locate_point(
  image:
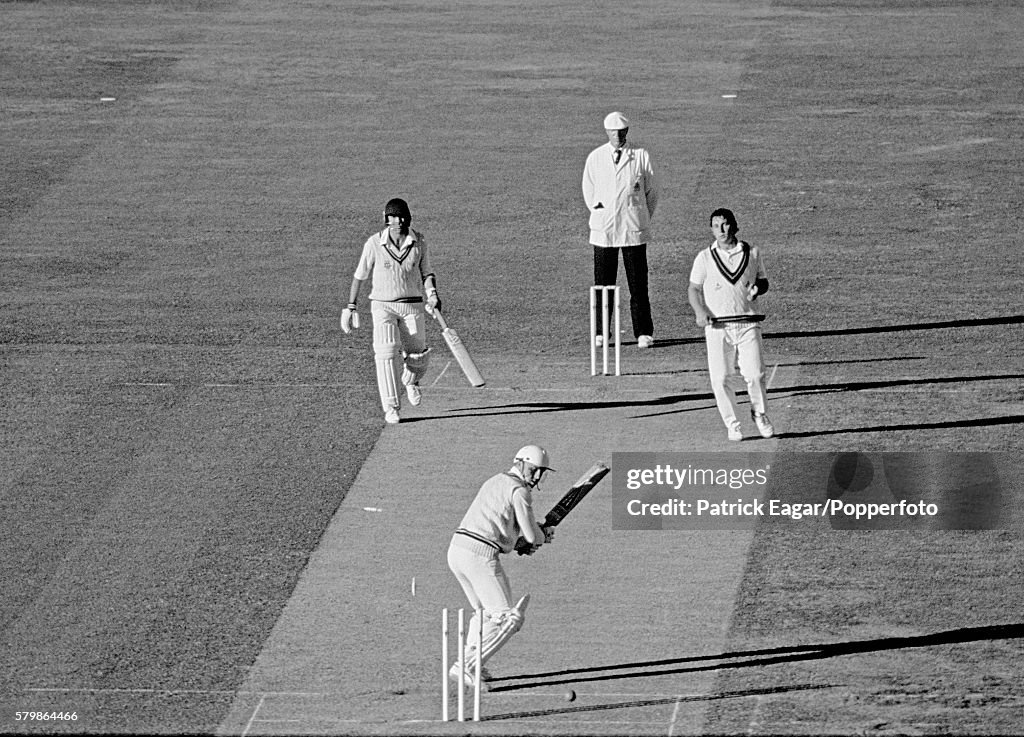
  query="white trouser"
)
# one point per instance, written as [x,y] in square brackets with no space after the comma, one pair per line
[729,346]
[478,570]
[399,347]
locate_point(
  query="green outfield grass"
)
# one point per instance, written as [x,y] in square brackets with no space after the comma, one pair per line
[186,188]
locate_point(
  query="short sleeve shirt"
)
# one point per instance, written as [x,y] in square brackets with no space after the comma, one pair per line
[725,277]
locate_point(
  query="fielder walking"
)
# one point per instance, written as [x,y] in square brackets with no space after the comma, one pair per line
[725,280]
[397,261]
[500,514]
[621,192]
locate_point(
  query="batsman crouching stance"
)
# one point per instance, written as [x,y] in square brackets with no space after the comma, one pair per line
[499,515]
[396,259]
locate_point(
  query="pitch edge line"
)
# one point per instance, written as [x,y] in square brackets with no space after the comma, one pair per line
[675,716]
[248,726]
[434,382]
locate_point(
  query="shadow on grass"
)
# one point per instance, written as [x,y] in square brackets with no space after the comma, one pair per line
[676,399]
[754,658]
[949,424]
[857,386]
[833,362]
[830,362]
[944,325]
[682,699]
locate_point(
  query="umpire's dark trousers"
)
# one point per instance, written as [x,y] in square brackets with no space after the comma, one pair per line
[606,267]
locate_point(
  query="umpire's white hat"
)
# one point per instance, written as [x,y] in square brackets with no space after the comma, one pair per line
[615,122]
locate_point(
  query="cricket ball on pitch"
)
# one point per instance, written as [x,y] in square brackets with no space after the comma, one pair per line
[570,696]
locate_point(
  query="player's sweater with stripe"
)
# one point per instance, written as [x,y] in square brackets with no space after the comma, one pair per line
[398,274]
[725,277]
[492,515]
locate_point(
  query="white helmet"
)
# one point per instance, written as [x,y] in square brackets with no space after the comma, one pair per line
[534,455]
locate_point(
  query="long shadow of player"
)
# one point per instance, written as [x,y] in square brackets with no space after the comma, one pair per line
[846,386]
[948,424]
[867,329]
[855,386]
[944,325]
[749,659]
[671,400]
[663,701]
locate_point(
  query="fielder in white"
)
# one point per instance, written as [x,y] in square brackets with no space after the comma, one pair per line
[725,280]
[396,259]
[499,515]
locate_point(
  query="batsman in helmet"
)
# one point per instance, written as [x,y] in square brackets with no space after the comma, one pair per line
[500,514]
[403,286]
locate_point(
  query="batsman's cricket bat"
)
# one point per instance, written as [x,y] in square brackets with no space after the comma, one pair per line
[569,501]
[717,321]
[459,351]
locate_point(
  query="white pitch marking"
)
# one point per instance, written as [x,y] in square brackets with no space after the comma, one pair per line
[441,374]
[675,715]
[728,97]
[950,146]
[372,509]
[255,711]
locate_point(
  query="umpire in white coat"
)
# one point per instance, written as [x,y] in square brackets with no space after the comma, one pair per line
[621,192]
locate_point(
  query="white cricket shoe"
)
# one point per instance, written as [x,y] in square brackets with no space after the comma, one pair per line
[391,416]
[735,434]
[764,425]
[645,341]
[414,394]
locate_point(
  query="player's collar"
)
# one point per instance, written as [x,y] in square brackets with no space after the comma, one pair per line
[410,238]
[400,254]
[740,245]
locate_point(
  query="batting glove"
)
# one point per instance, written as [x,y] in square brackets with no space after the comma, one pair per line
[349,319]
[760,286]
[433,301]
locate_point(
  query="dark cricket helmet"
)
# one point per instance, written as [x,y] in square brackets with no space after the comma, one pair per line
[399,208]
